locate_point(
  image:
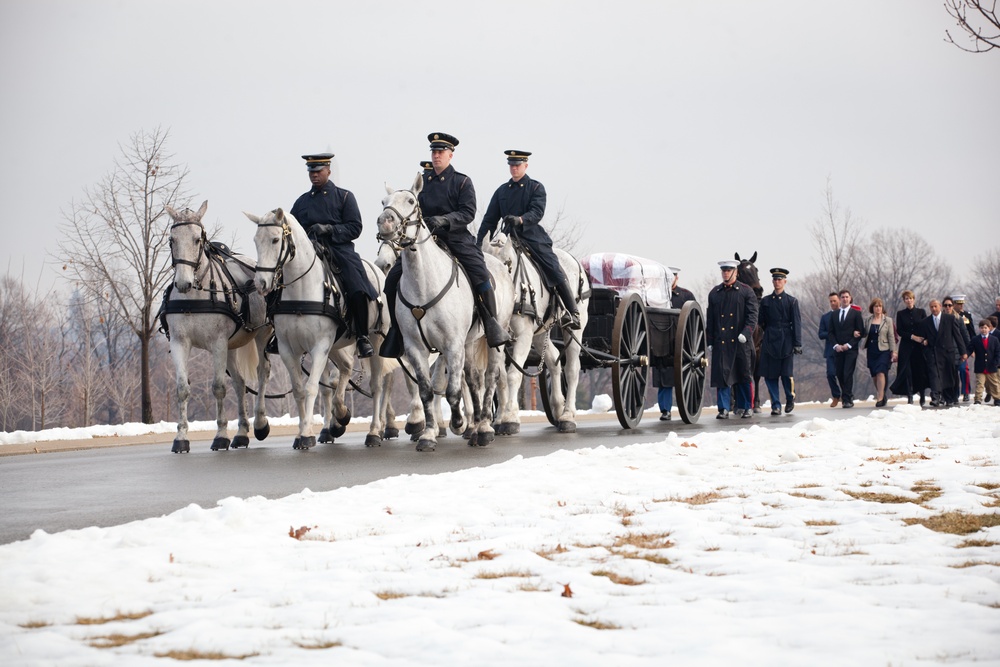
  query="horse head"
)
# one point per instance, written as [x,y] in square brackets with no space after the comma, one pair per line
[400,212]
[274,247]
[187,246]
[502,247]
[746,273]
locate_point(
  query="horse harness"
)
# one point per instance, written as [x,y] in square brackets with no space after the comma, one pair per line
[226,295]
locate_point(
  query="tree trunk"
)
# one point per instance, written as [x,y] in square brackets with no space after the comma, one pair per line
[147,395]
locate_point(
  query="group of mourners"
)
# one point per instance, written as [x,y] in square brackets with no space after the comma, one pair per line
[447,199]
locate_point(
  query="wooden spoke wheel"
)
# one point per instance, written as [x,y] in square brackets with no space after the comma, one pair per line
[630,373]
[690,362]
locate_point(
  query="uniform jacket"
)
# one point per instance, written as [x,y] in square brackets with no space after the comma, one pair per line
[732,311]
[782,325]
[525,198]
[449,195]
[988,356]
[330,205]
[886,333]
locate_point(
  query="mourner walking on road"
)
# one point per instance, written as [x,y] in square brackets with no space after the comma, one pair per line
[826,335]
[663,367]
[520,204]
[331,217]
[986,350]
[848,327]
[730,321]
[448,204]
[782,325]
[964,318]
[941,336]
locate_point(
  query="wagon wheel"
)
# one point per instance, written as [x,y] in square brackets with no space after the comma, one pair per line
[544,386]
[690,361]
[630,373]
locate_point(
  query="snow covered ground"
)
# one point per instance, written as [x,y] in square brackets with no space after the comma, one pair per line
[817,544]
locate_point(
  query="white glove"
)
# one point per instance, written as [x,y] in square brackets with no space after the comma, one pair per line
[741,338]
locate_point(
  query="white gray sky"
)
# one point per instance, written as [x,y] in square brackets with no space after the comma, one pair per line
[677,131]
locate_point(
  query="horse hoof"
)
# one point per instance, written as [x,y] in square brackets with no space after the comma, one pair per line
[500,429]
[181,446]
[567,427]
[390,433]
[240,442]
[373,441]
[485,438]
[426,446]
[467,433]
[324,435]
[220,444]
[337,430]
[442,432]
[414,437]
[415,428]
[304,442]
[511,428]
[261,433]
[345,420]
[473,439]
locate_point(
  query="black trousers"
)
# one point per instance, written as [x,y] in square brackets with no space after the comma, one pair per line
[845,363]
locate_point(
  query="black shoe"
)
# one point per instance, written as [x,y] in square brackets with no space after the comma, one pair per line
[392,346]
[986,399]
[848,404]
[570,321]
[923,400]
[881,403]
[977,403]
[789,404]
[935,403]
[965,398]
[365,348]
[664,416]
[776,411]
[723,414]
[909,400]
[747,414]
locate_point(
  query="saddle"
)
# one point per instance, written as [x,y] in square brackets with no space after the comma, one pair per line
[525,297]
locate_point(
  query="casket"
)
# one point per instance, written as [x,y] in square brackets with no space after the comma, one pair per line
[628,274]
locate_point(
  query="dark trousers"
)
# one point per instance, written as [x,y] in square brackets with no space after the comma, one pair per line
[831,376]
[773,390]
[845,363]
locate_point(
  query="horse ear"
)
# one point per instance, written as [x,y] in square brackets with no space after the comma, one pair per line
[170,211]
[253,218]
[754,258]
[202,209]
[736,256]
[418,183]
[279,215]
[388,189]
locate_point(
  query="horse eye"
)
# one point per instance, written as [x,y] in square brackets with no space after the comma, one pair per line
[411,200]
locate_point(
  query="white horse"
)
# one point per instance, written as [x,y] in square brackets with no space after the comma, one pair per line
[212,306]
[435,311]
[535,315]
[308,320]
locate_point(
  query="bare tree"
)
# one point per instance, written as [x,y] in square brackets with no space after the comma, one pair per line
[836,234]
[114,243]
[893,260]
[984,285]
[978,20]
[564,234]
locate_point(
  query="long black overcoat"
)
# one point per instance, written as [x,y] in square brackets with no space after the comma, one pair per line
[732,310]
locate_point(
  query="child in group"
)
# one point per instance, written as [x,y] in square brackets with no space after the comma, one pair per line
[986,349]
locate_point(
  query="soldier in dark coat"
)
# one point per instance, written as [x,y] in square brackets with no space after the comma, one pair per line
[520,203]
[730,321]
[782,325]
[448,204]
[331,217]
[965,318]
[663,367]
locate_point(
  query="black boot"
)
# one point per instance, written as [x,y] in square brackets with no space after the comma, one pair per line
[496,336]
[359,308]
[392,346]
[571,319]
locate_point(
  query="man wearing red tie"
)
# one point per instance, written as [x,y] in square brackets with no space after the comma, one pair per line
[986,349]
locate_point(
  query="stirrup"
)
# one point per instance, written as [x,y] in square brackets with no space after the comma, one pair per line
[365,348]
[495,335]
[569,320]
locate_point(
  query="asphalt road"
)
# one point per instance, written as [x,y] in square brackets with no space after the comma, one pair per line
[108,486]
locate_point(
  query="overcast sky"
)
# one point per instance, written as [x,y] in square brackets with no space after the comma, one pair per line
[677,131]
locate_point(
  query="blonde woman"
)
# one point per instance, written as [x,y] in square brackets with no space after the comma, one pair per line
[880,346]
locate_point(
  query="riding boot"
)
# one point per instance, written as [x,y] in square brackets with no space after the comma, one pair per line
[571,318]
[496,336]
[392,346]
[359,308]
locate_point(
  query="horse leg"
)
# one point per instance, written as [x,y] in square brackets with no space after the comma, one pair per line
[239,394]
[427,441]
[179,351]
[416,421]
[376,382]
[510,413]
[439,372]
[305,390]
[261,427]
[494,368]
[390,430]
[571,371]
[331,375]
[340,415]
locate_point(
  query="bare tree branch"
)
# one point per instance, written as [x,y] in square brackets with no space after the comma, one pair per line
[978,20]
[836,235]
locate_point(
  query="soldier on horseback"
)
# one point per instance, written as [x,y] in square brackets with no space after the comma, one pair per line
[520,203]
[448,204]
[331,217]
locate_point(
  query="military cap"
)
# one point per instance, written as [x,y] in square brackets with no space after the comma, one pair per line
[441,141]
[958,298]
[426,165]
[728,264]
[317,161]
[779,273]
[516,157]
[674,270]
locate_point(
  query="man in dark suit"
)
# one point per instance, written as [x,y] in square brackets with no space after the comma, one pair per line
[825,335]
[848,327]
[944,347]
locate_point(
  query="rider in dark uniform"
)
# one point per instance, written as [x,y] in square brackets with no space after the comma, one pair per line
[330,216]
[448,204]
[520,203]
[779,318]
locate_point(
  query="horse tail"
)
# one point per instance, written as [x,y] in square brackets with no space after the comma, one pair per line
[246,363]
[480,353]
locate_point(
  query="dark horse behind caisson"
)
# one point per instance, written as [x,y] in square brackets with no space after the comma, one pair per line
[746,273]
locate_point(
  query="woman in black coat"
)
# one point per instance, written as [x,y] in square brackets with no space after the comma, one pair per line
[911,370]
